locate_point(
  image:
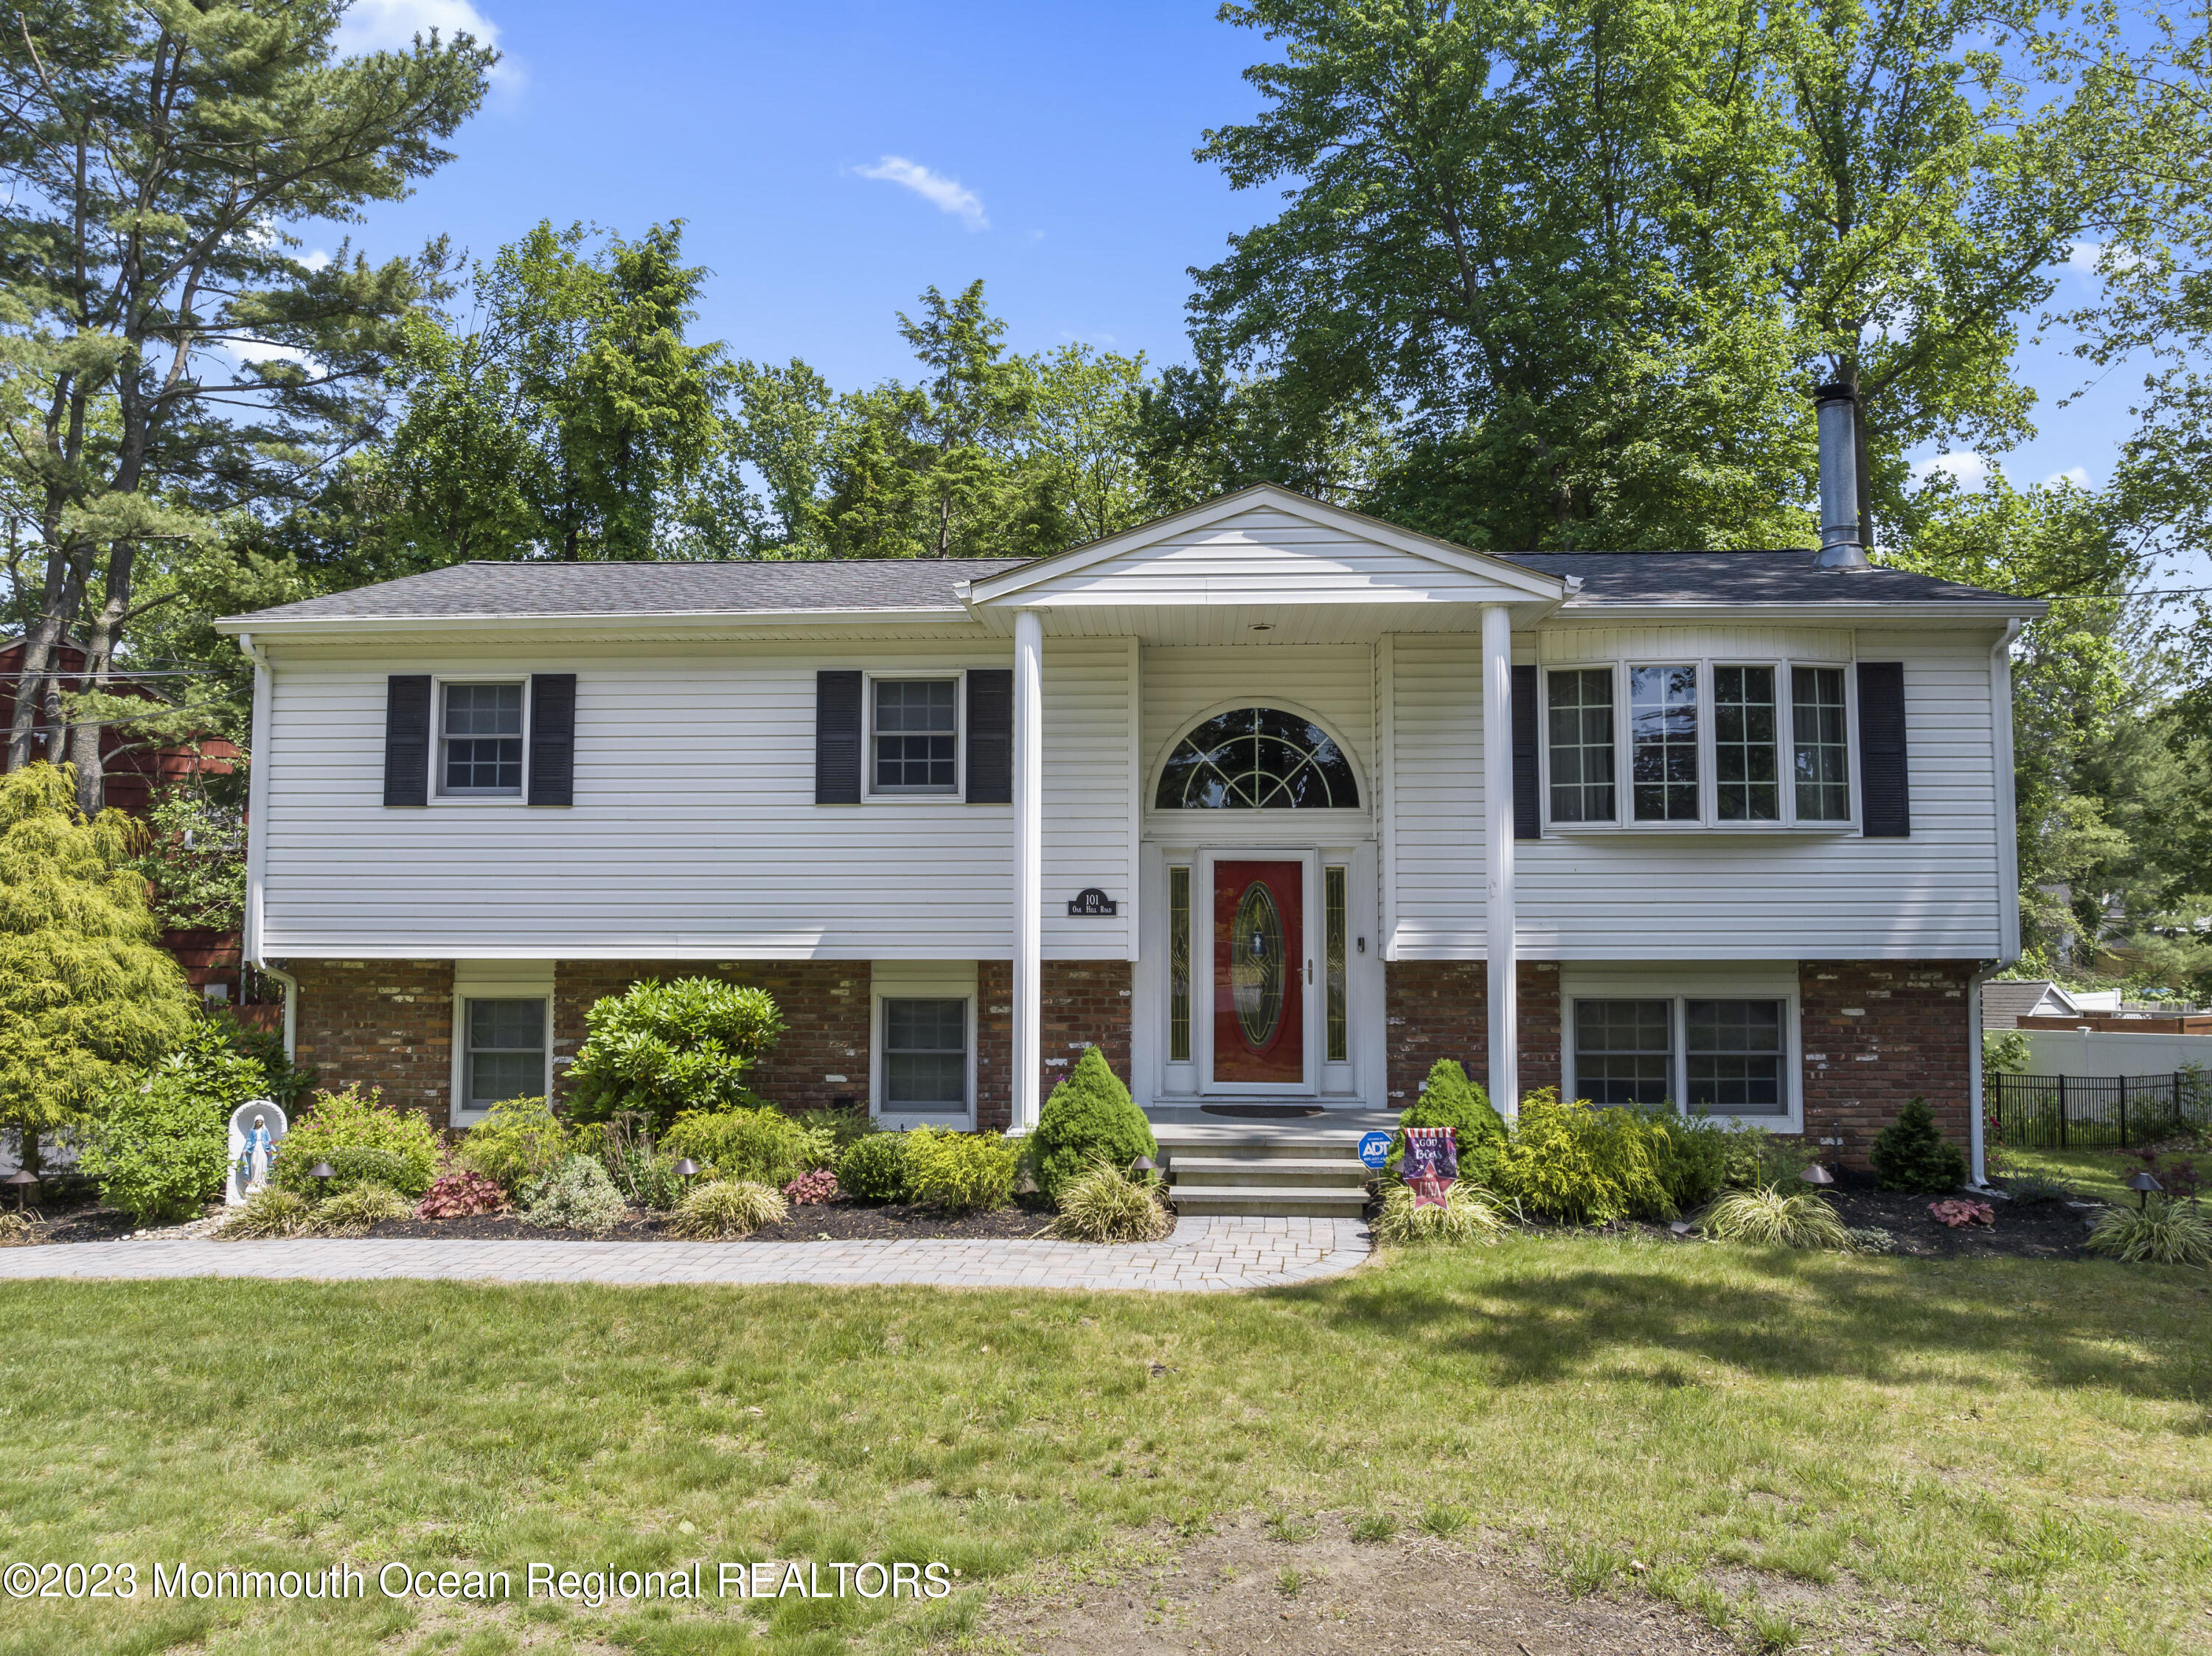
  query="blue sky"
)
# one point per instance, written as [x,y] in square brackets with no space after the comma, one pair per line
[833,159]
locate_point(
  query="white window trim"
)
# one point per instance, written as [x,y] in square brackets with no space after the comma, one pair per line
[921,980]
[1679,983]
[957,678]
[1709,821]
[459,1113]
[438,796]
[1175,821]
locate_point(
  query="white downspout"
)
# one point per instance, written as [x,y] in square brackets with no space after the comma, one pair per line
[257,838]
[1500,960]
[1028,868]
[2007,861]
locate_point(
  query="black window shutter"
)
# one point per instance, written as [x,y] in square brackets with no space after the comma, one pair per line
[407,739]
[552,738]
[990,736]
[1885,788]
[838,738]
[1528,820]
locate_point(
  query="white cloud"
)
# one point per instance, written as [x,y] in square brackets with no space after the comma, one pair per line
[1970,470]
[2083,255]
[392,25]
[2077,475]
[946,195]
[259,350]
[316,260]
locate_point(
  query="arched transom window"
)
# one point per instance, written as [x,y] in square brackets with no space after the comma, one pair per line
[1257,759]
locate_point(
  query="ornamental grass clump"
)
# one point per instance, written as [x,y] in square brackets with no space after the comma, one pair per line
[516,1142]
[2161,1232]
[576,1195]
[16,1229]
[270,1212]
[337,1124]
[1107,1204]
[1468,1215]
[873,1169]
[726,1208]
[1774,1218]
[961,1172]
[462,1194]
[1089,1118]
[352,1212]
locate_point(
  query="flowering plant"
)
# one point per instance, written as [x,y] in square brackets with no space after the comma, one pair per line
[461,1195]
[1957,1212]
[811,1189]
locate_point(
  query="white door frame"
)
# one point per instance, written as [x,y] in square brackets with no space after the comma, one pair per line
[1313,1036]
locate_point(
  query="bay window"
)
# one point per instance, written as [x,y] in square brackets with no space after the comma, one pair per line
[1663,722]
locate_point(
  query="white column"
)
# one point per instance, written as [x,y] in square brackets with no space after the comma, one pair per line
[1029,867]
[1498,855]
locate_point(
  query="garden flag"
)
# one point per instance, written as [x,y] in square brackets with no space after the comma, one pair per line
[1431,1164]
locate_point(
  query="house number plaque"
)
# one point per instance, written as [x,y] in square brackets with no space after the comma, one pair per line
[1092,900]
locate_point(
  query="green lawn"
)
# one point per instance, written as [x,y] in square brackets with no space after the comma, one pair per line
[2009,1455]
[2098,1175]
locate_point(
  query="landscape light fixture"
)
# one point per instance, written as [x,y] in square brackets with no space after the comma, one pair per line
[2142,1184]
[1819,1175]
[22,1178]
[687,1168]
[322,1170]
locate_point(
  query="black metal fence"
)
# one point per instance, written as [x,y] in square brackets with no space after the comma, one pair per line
[2057,1112]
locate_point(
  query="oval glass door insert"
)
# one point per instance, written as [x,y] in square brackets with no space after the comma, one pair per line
[1256,972]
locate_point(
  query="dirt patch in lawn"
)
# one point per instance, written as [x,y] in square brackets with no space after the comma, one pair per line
[1322,1593]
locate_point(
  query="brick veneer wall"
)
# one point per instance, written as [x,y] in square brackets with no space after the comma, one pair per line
[1877,1032]
[994,1044]
[388,1024]
[1085,1004]
[822,1056]
[1440,1009]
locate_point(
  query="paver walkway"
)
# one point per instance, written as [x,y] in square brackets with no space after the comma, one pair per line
[1204,1255]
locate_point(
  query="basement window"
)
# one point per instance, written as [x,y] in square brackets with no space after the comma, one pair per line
[506,1053]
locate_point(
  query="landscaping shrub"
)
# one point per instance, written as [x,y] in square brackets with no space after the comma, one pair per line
[812,1189]
[516,1142]
[725,1208]
[1872,1239]
[1090,1118]
[1449,1098]
[576,1195]
[1912,1155]
[271,1212]
[835,1129]
[16,1229]
[2161,1232]
[1958,1213]
[760,1144]
[961,1172]
[351,1212]
[1774,1218]
[1468,1215]
[873,1167]
[663,1048]
[461,1195]
[349,1120]
[161,1143]
[1104,1203]
[1697,1159]
[353,1166]
[1582,1164]
[641,1172]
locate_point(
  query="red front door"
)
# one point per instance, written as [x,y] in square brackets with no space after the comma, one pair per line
[1259,973]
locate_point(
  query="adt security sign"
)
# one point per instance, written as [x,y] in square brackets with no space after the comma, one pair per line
[1375,1149]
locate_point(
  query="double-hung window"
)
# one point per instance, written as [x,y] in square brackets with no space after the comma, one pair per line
[917,736]
[1725,1055]
[480,740]
[926,1056]
[1716,743]
[504,1054]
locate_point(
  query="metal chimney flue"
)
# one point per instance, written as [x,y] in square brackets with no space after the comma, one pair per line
[1838,409]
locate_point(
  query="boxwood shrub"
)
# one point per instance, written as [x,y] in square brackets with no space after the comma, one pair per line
[873,1167]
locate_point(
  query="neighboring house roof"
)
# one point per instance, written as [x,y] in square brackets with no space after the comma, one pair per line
[2006,1002]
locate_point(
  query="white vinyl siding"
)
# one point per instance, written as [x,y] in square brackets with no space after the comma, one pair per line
[1437,792]
[693,833]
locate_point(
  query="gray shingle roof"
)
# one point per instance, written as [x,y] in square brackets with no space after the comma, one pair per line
[1738,578]
[532,589]
[640,589]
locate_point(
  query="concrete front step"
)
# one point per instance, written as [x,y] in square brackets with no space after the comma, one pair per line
[1270,1200]
[1342,1173]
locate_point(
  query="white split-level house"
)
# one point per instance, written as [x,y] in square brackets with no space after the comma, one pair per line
[1274,803]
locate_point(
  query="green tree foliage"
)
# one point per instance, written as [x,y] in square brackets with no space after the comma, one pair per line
[195,856]
[661,1048]
[1089,1115]
[565,416]
[160,1143]
[87,997]
[166,358]
[1912,1155]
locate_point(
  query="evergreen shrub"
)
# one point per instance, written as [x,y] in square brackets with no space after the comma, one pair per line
[517,1139]
[159,1144]
[1090,1118]
[575,1195]
[760,1144]
[873,1167]
[961,1172]
[340,1122]
[1449,1098]
[1576,1162]
[1912,1155]
[662,1048]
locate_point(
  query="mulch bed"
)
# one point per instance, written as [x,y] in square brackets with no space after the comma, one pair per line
[2037,1230]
